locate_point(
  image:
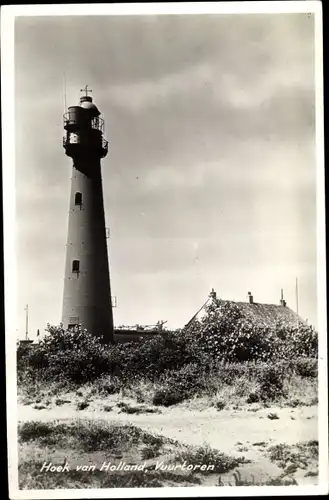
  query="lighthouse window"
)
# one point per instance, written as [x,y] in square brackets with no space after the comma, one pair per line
[78,199]
[75,266]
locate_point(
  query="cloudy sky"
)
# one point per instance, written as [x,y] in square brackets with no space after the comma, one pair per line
[210,178]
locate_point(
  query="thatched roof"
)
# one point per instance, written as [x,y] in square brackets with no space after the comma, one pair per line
[269,313]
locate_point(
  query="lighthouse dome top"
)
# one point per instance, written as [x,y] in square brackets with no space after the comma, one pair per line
[86,102]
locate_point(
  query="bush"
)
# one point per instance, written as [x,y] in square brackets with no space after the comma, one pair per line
[109,385]
[152,357]
[150,452]
[224,333]
[182,361]
[271,380]
[82,405]
[295,342]
[306,367]
[180,385]
[220,404]
[33,429]
[168,397]
[298,455]
[228,373]
[253,397]
[205,455]
[73,356]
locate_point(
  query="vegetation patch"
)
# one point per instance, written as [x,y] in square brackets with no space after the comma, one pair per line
[39,407]
[89,438]
[61,402]
[82,405]
[87,435]
[294,457]
[30,477]
[136,409]
[196,455]
[223,335]
[239,480]
[225,356]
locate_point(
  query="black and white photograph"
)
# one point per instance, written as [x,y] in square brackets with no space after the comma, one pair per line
[163,182]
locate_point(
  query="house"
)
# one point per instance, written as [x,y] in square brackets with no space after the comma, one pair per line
[268,313]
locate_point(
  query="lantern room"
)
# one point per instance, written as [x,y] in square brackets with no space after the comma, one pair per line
[84,130]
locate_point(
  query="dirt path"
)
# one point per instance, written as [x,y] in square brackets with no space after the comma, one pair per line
[235,432]
[219,429]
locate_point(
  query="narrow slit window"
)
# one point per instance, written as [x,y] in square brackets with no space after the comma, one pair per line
[78,199]
[76,266]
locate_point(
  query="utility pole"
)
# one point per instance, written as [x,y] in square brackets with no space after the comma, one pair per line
[27,322]
[297,304]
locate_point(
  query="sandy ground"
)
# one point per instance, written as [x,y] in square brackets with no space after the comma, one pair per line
[220,429]
[235,432]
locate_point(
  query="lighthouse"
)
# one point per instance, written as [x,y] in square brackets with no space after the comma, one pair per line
[87,292]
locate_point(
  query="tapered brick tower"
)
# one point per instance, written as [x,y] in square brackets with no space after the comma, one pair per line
[87,292]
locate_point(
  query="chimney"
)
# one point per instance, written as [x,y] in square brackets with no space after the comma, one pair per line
[282,301]
[250,298]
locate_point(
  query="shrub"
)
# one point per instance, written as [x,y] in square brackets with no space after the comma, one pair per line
[39,407]
[224,333]
[271,380]
[299,341]
[182,360]
[87,435]
[205,455]
[60,401]
[32,430]
[82,405]
[220,404]
[150,452]
[109,385]
[168,397]
[74,356]
[253,397]
[180,385]
[306,367]
[151,357]
[298,455]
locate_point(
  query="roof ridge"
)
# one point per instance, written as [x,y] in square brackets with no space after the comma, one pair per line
[255,303]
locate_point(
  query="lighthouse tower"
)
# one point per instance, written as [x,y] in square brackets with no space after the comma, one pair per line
[87,293]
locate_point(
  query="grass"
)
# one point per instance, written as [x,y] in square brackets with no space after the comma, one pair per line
[298,391]
[135,409]
[238,480]
[82,405]
[88,442]
[225,385]
[206,455]
[95,442]
[60,401]
[293,457]
[39,406]
[30,477]
[87,435]
[138,381]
